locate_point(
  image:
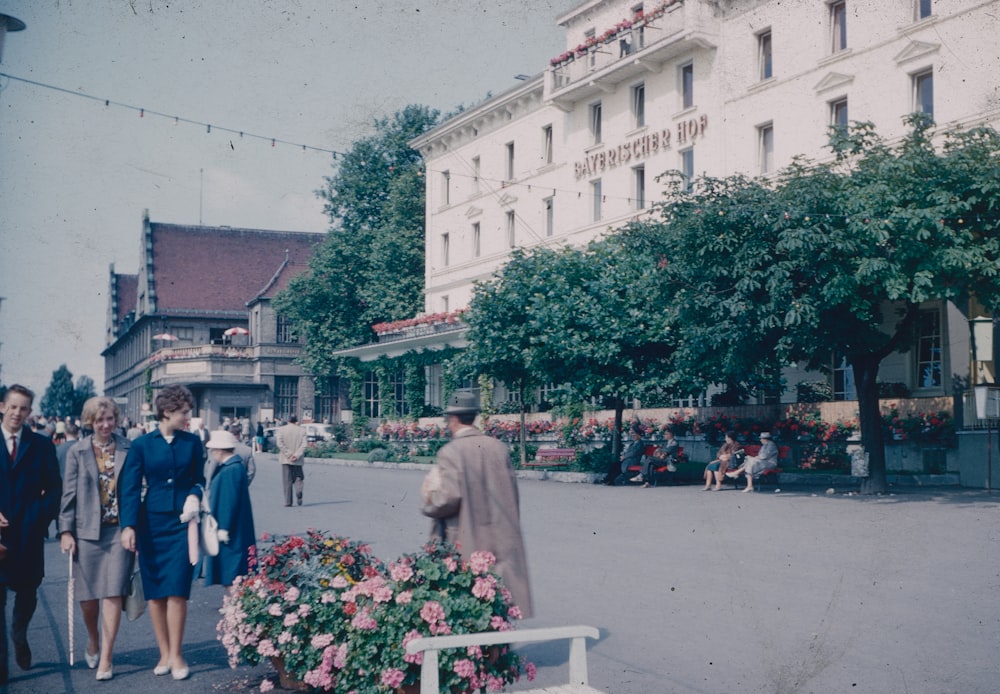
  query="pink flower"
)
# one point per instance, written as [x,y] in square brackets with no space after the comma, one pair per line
[417,658]
[514,612]
[480,562]
[451,564]
[364,620]
[266,685]
[340,657]
[484,588]
[339,581]
[321,640]
[304,610]
[498,623]
[494,684]
[401,572]
[274,610]
[267,649]
[392,678]
[432,611]
[292,594]
[531,671]
[465,668]
[291,619]
[405,597]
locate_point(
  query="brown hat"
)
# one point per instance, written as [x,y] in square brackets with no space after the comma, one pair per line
[463,402]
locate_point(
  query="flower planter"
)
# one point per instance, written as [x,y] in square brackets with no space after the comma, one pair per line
[288,682]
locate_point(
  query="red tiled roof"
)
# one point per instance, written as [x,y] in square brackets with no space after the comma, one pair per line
[125,286]
[201,270]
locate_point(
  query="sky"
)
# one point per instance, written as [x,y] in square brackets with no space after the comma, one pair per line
[76,174]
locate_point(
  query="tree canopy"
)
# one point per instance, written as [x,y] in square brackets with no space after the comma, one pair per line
[835,258]
[370,268]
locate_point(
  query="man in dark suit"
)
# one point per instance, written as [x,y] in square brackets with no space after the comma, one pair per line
[30,490]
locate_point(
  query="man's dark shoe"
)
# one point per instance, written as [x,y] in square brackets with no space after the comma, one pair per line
[22,655]
[4,677]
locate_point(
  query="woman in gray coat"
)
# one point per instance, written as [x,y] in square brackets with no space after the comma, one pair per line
[89,529]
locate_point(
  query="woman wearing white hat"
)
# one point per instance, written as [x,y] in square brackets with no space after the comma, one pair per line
[229,501]
[765,459]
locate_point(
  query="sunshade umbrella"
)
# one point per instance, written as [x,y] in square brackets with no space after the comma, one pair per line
[167,337]
[237,330]
[70,590]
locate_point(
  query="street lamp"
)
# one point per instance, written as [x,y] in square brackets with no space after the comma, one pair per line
[8,24]
[988,408]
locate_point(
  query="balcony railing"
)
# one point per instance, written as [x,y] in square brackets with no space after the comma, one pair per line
[201,352]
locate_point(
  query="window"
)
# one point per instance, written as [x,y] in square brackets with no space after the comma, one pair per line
[595,191]
[838,26]
[765,155]
[923,92]
[286,396]
[510,161]
[638,35]
[432,392]
[285,332]
[444,304]
[929,368]
[838,114]
[595,122]
[639,185]
[843,380]
[475,175]
[639,105]
[371,404]
[446,187]
[510,229]
[922,9]
[547,144]
[687,166]
[327,400]
[475,240]
[687,85]
[550,227]
[445,249]
[397,380]
[764,55]
[184,334]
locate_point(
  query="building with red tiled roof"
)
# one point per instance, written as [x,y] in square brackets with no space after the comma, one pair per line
[199,312]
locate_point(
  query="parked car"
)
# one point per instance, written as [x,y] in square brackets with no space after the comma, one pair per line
[316,432]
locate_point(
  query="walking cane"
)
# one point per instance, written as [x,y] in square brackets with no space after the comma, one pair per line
[70,590]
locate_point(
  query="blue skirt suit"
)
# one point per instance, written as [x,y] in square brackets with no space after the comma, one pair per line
[171,471]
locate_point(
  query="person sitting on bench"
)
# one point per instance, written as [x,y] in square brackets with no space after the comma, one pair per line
[765,459]
[665,454]
[632,455]
[716,468]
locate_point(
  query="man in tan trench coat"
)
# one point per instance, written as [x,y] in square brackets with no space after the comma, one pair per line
[471,493]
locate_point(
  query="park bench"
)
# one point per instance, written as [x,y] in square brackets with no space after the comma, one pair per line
[766,477]
[658,471]
[552,457]
[577,636]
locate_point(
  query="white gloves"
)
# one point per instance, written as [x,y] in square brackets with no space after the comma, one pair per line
[223,536]
[191,509]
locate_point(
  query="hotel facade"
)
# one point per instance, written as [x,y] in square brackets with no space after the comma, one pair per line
[706,88]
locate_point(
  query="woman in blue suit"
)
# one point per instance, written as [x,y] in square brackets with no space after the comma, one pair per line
[171,461]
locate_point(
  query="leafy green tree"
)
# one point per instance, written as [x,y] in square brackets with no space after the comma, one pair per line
[58,400]
[835,258]
[84,391]
[370,267]
[583,317]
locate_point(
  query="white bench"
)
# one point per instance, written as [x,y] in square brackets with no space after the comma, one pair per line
[430,645]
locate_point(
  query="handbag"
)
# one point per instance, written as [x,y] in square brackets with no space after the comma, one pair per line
[209,535]
[134,600]
[209,528]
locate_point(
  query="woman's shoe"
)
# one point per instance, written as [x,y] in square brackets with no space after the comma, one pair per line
[748,489]
[180,673]
[104,676]
[161,670]
[92,660]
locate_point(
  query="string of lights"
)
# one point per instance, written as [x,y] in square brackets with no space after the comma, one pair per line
[209,127]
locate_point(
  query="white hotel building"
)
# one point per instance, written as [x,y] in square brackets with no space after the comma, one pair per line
[705,87]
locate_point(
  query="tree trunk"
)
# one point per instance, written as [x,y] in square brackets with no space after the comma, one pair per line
[615,464]
[870,418]
[523,435]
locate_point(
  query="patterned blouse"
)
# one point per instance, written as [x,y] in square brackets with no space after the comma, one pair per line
[106,479]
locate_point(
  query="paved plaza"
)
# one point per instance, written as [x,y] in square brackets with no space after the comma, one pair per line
[798,591]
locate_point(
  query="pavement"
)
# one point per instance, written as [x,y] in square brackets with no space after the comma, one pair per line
[798,591]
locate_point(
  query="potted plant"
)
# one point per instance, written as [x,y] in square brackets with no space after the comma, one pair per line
[331,616]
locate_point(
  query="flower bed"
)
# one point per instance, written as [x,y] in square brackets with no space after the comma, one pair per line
[336,618]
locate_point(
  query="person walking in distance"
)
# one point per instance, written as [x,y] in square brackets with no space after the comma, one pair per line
[30,489]
[291,440]
[471,493]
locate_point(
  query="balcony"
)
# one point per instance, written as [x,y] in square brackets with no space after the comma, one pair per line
[673,30]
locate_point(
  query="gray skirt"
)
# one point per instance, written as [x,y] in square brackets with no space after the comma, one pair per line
[102,568]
